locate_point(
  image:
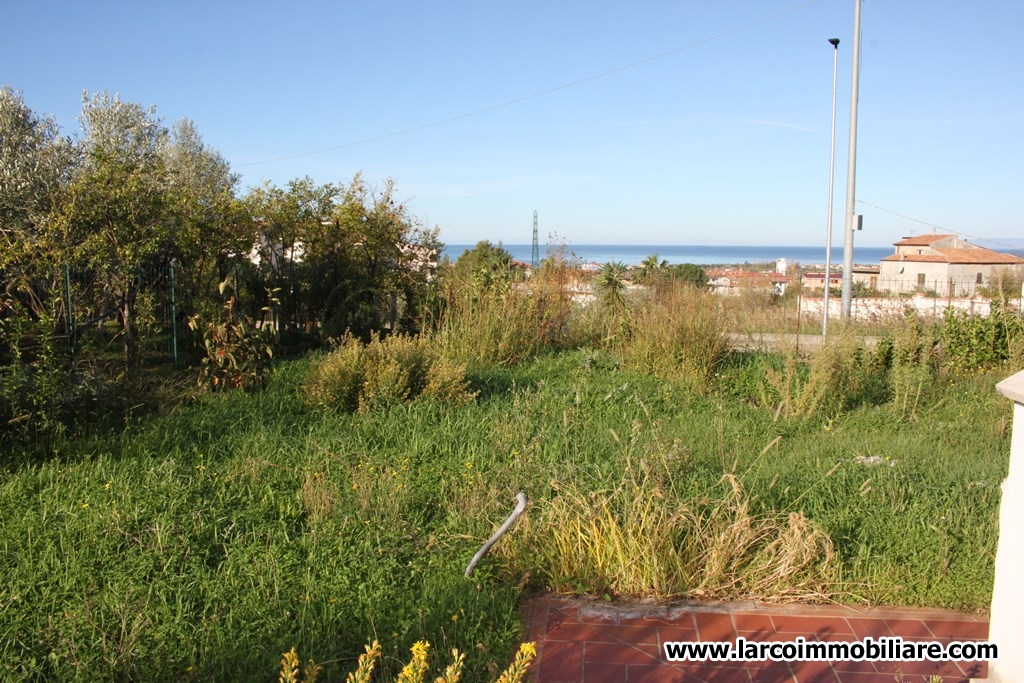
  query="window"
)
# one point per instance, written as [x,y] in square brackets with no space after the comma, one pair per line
[978,280]
[920,279]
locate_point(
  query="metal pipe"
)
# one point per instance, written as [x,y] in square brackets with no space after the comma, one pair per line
[520,507]
[851,172]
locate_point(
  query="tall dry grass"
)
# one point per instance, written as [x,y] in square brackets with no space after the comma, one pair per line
[676,332]
[386,371]
[643,538]
[841,373]
[507,324]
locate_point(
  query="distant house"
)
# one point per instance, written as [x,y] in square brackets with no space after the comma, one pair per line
[733,281]
[419,258]
[944,264]
[866,276]
[863,276]
[815,281]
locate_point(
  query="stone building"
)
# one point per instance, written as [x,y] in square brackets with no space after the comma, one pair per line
[944,264]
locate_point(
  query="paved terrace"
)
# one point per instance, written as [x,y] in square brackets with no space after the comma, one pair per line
[582,641]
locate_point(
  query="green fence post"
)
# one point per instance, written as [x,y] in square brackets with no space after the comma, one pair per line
[174,319]
[69,313]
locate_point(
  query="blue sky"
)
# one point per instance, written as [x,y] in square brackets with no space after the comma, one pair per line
[721,138]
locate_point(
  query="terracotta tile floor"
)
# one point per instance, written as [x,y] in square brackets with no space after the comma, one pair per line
[589,642]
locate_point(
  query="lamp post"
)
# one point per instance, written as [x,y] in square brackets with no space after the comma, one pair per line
[851,172]
[831,178]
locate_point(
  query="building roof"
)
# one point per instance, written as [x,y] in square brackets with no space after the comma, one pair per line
[922,240]
[967,255]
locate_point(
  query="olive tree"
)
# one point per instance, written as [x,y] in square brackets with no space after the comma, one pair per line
[114,222]
[34,164]
[207,225]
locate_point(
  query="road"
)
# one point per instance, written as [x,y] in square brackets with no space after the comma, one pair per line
[772,341]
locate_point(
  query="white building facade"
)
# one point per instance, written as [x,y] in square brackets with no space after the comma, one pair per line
[945,265]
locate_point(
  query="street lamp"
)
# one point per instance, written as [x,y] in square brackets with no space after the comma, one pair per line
[831,178]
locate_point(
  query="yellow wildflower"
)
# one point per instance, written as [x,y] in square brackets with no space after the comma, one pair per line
[416,669]
[366,664]
[454,671]
[517,670]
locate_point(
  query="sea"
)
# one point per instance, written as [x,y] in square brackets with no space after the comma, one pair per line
[699,254]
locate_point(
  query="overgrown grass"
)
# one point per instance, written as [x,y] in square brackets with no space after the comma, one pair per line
[200,544]
[384,372]
[643,538]
[509,322]
[841,374]
[677,333]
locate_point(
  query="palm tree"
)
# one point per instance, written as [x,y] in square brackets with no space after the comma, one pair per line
[610,286]
[650,268]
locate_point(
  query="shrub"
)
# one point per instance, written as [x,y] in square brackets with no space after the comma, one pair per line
[44,393]
[336,380]
[610,285]
[486,265]
[839,376]
[973,342]
[485,326]
[34,388]
[912,366]
[690,273]
[238,352]
[677,334]
[384,372]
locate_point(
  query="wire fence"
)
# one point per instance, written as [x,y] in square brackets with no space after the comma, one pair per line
[92,318]
[877,308]
[873,284]
[95,318]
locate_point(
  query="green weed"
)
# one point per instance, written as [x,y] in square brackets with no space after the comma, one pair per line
[485,326]
[237,350]
[677,334]
[385,372]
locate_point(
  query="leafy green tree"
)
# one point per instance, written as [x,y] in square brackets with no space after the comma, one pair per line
[654,272]
[294,248]
[34,163]
[114,221]
[205,217]
[651,269]
[486,265]
[130,196]
[346,258]
[690,274]
[40,393]
[394,258]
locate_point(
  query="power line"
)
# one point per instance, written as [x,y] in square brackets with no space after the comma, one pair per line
[940,227]
[540,93]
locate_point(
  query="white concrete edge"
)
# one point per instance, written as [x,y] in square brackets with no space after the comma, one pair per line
[1013,387]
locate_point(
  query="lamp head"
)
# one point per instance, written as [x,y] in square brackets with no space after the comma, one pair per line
[834,41]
